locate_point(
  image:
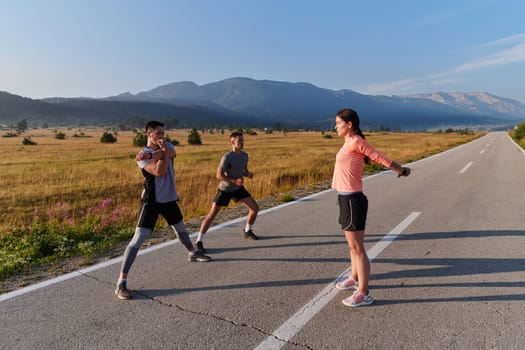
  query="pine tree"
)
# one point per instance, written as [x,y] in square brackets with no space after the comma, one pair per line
[194,138]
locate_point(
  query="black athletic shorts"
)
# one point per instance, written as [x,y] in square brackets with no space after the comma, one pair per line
[352,211]
[222,198]
[149,213]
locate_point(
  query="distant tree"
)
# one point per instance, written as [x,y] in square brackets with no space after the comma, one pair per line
[194,138]
[21,126]
[108,137]
[383,128]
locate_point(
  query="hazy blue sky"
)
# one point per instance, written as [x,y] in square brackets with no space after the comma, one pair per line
[98,48]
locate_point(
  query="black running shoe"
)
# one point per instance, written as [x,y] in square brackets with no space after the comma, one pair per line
[200,247]
[198,256]
[250,235]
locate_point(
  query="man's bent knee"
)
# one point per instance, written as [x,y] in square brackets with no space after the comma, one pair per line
[141,233]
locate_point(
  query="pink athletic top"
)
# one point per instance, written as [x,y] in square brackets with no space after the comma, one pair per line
[349,162]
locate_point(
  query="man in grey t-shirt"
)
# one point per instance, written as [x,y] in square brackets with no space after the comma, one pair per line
[231,172]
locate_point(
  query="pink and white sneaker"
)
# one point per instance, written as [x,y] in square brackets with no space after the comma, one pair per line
[348,283]
[358,299]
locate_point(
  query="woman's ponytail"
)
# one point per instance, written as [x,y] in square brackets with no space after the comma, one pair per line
[360,133]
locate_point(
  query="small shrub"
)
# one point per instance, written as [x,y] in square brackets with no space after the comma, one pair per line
[10,134]
[140,140]
[108,137]
[286,198]
[327,136]
[28,142]
[60,136]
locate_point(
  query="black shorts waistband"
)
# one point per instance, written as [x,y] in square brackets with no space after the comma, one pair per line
[350,193]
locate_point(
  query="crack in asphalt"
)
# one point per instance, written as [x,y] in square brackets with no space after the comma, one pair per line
[223,319]
[220,318]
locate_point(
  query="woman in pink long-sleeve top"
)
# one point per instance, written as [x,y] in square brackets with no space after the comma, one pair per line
[353,204]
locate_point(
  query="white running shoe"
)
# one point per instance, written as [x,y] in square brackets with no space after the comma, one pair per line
[348,283]
[358,299]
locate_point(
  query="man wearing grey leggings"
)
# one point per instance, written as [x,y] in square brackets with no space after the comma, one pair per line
[158,198]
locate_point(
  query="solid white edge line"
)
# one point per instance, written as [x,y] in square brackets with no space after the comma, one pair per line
[294,324]
[514,142]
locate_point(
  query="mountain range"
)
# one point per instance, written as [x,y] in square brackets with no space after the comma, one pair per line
[245,102]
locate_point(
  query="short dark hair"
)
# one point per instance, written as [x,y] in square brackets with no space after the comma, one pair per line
[153,124]
[235,134]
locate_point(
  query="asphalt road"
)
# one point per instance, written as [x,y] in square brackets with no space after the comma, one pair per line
[448,272]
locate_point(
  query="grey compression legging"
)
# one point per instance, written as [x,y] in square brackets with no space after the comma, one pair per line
[141,233]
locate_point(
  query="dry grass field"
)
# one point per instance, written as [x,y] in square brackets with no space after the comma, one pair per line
[82,172]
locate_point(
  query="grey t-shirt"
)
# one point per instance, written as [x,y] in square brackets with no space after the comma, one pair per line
[234,166]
